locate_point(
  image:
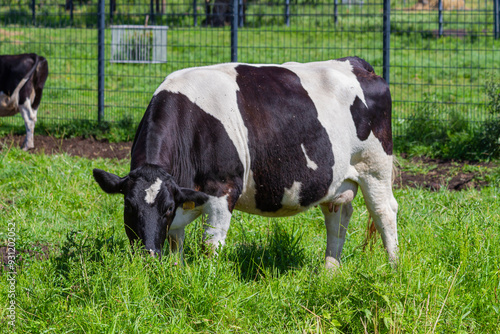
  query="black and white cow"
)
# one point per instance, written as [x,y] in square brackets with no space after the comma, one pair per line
[271,140]
[22,78]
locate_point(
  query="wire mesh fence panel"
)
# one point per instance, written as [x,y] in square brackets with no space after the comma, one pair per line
[303,31]
[442,52]
[190,42]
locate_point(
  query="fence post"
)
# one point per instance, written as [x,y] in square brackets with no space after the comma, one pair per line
[387,41]
[152,11]
[440,17]
[287,12]
[70,2]
[241,13]
[234,32]
[496,13]
[100,62]
[335,11]
[111,10]
[33,18]
[195,14]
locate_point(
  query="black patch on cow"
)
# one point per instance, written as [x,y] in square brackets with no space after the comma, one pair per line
[377,117]
[280,117]
[190,144]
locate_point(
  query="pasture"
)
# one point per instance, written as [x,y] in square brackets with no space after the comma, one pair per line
[75,271]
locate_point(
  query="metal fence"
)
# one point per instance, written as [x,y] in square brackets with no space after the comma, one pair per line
[437,54]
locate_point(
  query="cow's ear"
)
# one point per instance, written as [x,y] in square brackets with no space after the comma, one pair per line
[110,183]
[189,199]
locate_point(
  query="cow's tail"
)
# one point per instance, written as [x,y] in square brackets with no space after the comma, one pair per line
[26,77]
[42,72]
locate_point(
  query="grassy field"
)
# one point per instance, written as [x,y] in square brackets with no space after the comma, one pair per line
[75,272]
[269,278]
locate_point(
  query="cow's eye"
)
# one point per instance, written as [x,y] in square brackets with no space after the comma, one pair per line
[169,210]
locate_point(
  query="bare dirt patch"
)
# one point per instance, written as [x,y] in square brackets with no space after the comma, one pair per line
[9,33]
[434,5]
[37,251]
[84,147]
[434,174]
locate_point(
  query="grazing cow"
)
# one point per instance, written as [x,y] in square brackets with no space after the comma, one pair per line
[271,140]
[22,78]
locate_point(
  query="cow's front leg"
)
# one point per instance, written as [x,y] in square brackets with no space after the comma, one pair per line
[176,243]
[218,214]
[336,227]
[29,117]
[175,233]
[176,240]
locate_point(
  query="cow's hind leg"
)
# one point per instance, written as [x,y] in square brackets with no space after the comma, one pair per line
[383,208]
[29,117]
[336,227]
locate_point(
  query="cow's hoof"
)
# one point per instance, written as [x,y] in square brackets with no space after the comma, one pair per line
[331,263]
[26,148]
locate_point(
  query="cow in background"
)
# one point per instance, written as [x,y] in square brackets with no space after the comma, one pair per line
[219,13]
[22,78]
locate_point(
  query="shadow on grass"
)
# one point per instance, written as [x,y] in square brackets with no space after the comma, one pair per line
[79,247]
[273,255]
[278,253]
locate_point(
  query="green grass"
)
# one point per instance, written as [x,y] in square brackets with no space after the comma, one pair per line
[268,279]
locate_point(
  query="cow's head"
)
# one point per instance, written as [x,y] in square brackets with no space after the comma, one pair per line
[151,200]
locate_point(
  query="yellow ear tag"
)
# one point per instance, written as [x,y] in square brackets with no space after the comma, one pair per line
[188,205]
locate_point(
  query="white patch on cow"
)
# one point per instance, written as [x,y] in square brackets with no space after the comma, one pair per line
[310,164]
[183,217]
[218,99]
[291,197]
[218,221]
[333,77]
[153,191]
[216,225]
[246,202]
[29,116]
